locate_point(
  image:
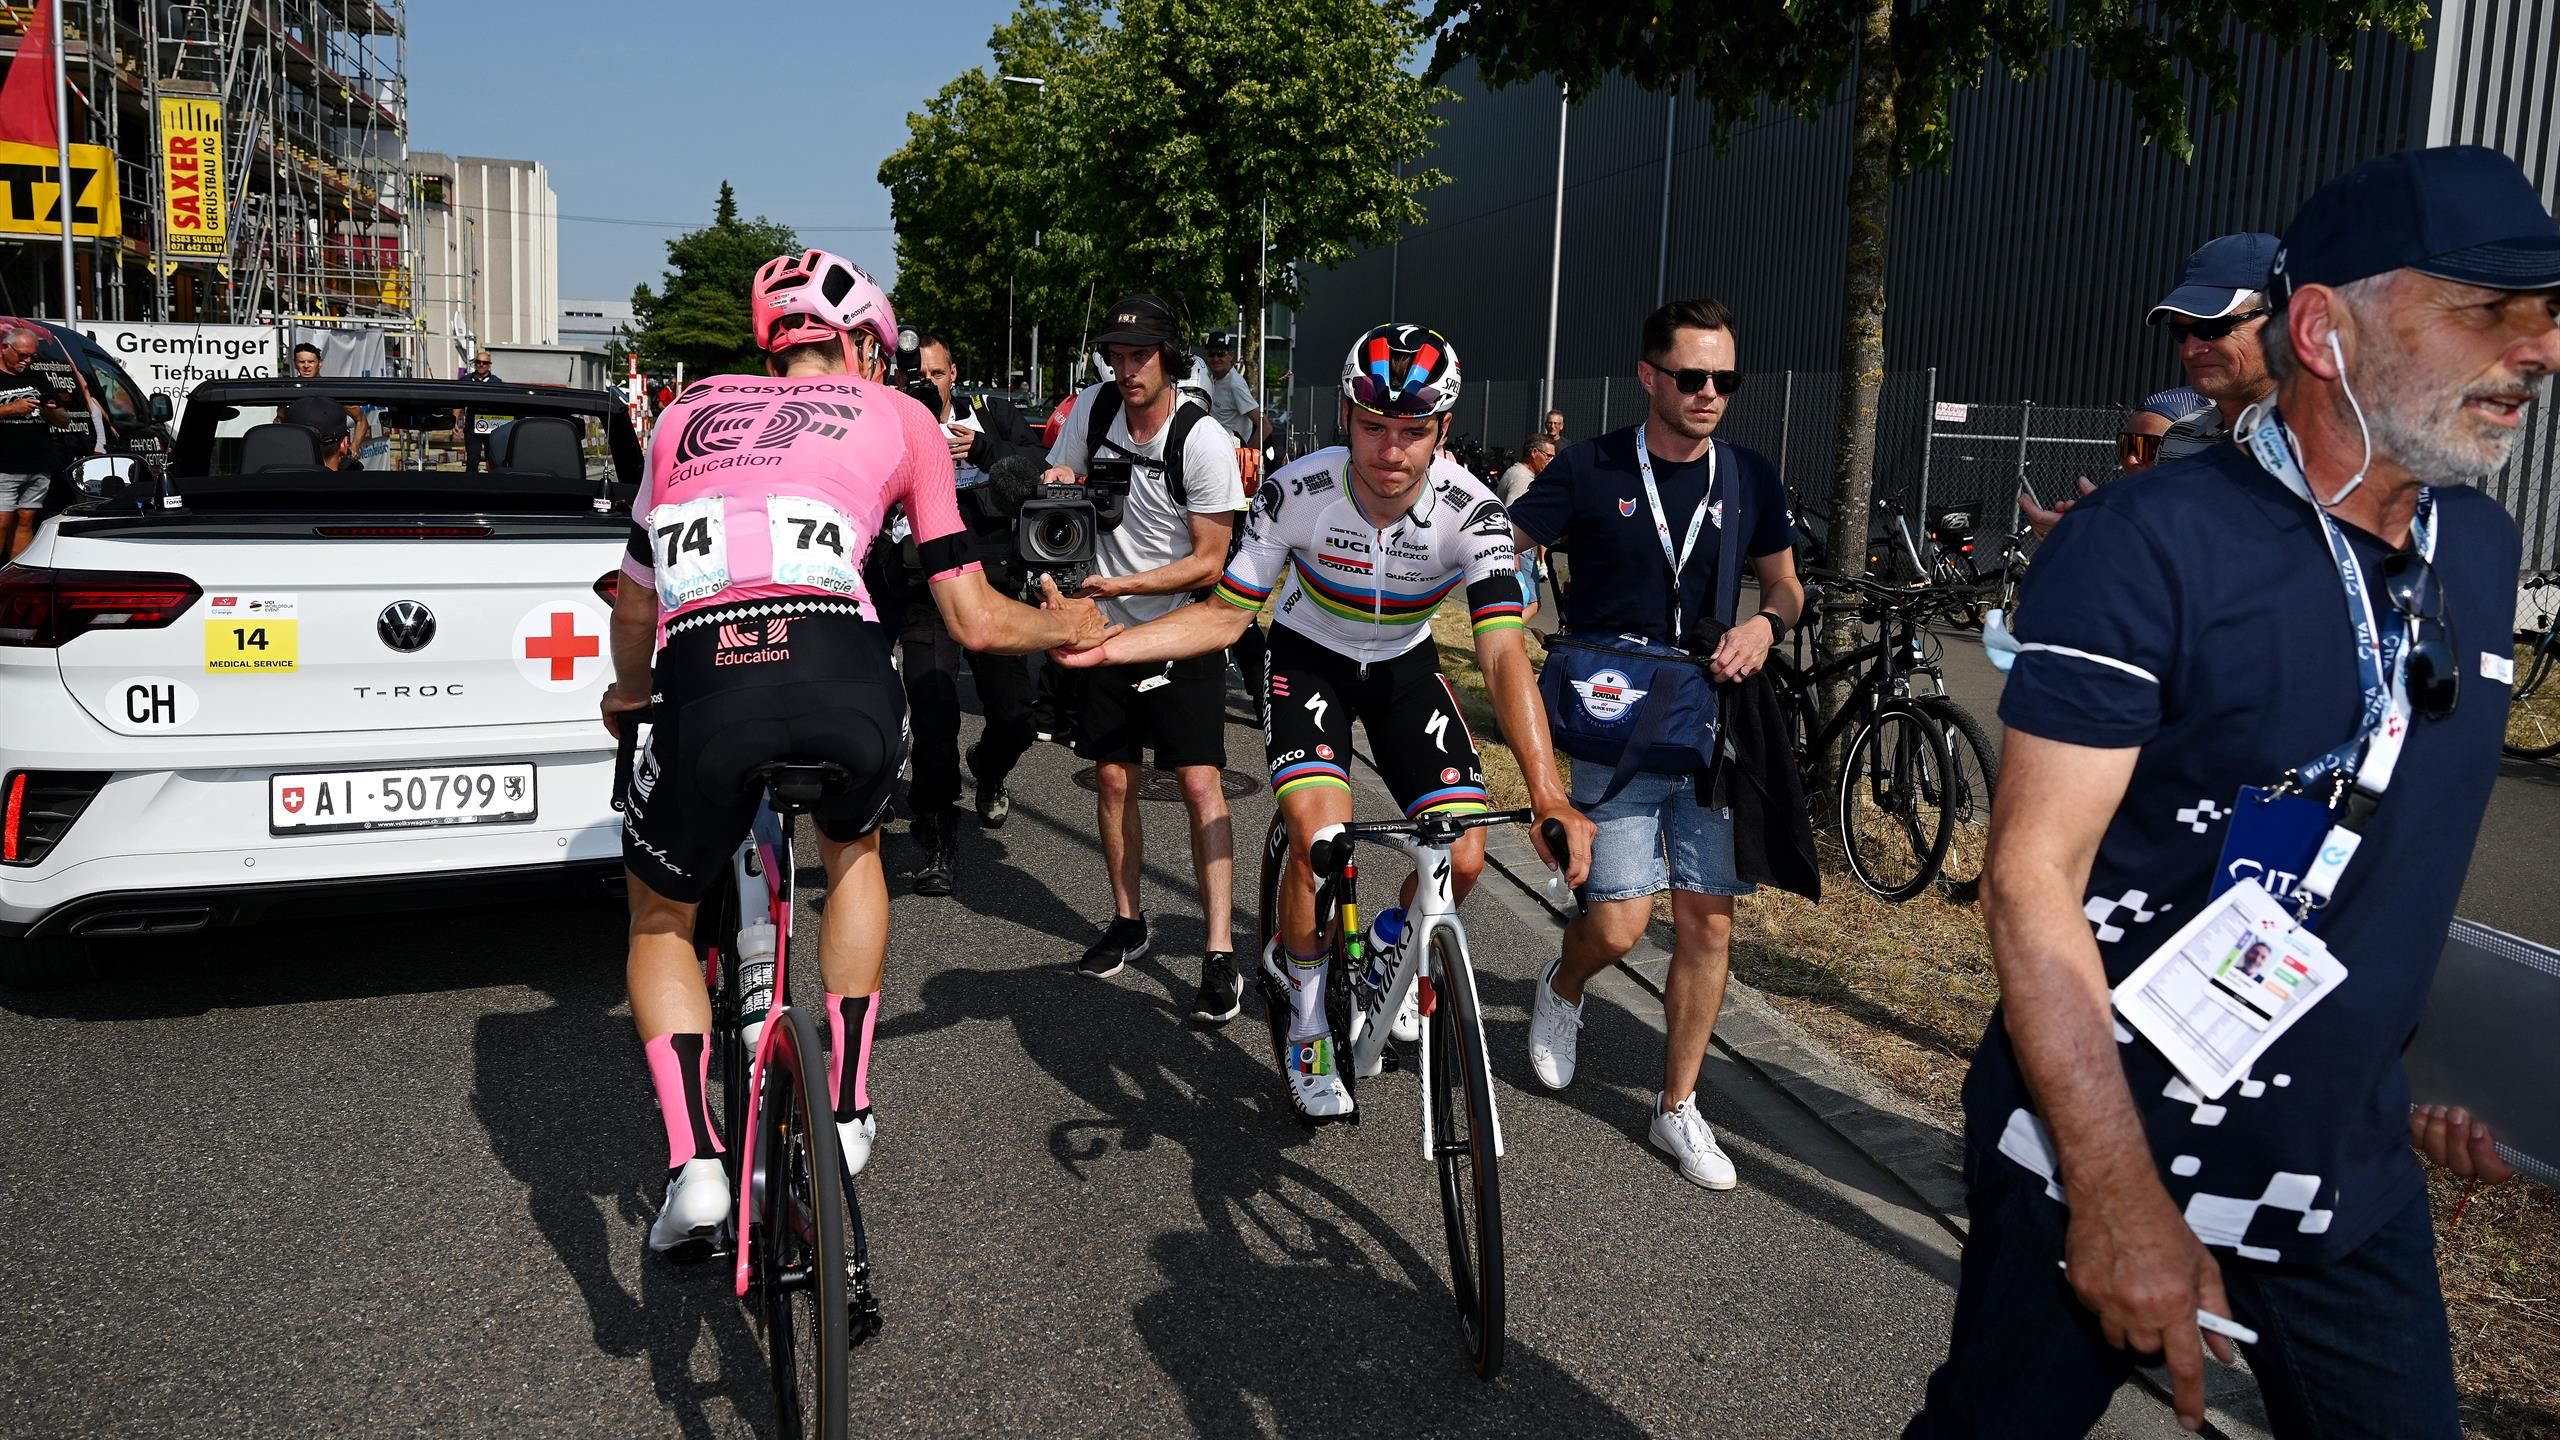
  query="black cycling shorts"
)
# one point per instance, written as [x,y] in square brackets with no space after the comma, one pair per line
[744,686]
[1425,751]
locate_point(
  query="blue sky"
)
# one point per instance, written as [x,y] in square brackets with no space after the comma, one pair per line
[641,108]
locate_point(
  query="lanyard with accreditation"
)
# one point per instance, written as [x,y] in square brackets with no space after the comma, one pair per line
[2240,973]
[1662,524]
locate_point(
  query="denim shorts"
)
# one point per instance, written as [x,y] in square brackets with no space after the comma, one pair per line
[1627,860]
[23,492]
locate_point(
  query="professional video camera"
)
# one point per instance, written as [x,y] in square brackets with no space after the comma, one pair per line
[1055,527]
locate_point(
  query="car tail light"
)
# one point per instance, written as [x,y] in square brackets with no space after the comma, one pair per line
[37,808]
[43,609]
[609,586]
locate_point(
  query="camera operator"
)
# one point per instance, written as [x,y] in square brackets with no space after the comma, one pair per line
[1170,471]
[981,438]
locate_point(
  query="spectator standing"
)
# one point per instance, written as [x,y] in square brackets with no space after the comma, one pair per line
[2141,444]
[1231,399]
[306,366]
[1616,501]
[1534,458]
[979,435]
[31,408]
[2216,317]
[1170,544]
[474,439]
[2416,320]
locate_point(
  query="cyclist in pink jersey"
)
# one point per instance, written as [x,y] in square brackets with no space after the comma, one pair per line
[744,625]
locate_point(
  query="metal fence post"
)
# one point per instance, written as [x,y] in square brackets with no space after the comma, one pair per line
[1604,407]
[1488,415]
[1786,425]
[2026,413]
[1928,442]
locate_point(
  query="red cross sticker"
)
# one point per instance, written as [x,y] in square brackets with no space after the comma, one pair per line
[564,647]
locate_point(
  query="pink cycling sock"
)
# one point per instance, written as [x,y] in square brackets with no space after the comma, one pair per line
[680,1069]
[852,1015]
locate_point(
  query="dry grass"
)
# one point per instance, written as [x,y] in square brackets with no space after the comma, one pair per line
[2533,722]
[1905,990]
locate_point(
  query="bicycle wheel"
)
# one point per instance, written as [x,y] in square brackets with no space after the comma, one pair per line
[1463,1143]
[1894,787]
[1976,771]
[799,1258]
[2533,712]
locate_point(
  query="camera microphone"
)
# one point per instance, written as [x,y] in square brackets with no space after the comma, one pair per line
[1014,479]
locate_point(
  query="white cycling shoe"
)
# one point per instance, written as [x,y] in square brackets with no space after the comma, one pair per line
[1315,1086]
[697,1205]
[853,1142]
[1408,1023]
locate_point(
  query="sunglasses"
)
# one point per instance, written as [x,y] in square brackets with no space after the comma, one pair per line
[2136,451]
[1693,381]
[2435,681]
[2181,330]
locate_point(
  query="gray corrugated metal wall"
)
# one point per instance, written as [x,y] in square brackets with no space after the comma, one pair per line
[2022,273]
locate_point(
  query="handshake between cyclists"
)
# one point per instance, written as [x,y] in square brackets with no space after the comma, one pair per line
[1361,542]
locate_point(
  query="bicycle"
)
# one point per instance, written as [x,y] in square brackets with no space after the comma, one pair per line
[1916,764]
[2533,718]
[1461,1126]
[795,1209]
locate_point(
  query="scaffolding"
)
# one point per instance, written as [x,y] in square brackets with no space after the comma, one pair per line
[314,98]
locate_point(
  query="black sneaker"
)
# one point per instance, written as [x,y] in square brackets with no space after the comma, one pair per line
[993,803]
[933,873]
[1221,993]
[1125,940]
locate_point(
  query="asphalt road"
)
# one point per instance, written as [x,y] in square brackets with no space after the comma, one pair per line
[392,1177]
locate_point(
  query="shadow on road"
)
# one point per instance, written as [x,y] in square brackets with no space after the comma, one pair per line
[1296,1305]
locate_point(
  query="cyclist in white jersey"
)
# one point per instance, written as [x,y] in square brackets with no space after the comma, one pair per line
[1362,542]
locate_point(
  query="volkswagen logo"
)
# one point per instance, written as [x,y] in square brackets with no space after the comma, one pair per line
[406,626]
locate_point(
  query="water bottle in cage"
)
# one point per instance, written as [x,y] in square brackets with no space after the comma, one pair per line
[756,944]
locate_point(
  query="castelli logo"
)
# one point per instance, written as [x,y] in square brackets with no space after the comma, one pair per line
[1449,776]
[1324,752]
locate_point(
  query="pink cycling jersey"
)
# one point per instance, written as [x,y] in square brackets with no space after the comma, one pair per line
[762,487]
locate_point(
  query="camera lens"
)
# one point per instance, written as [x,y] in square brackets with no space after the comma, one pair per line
[1056,536]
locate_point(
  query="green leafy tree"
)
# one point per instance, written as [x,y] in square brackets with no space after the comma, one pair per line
[1900,66]
[698,313]
[1145,161]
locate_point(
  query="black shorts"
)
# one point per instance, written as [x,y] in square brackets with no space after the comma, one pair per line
[1425,751]
[1183,720]
[744,687]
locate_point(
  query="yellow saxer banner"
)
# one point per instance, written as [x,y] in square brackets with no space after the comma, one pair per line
[193,220]
[31,191]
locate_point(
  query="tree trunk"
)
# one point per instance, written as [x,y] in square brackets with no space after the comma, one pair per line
[1862,318]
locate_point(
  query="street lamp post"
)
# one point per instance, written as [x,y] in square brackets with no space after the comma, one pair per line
[1032,379]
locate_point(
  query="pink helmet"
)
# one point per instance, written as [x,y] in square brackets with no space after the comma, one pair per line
[812,295]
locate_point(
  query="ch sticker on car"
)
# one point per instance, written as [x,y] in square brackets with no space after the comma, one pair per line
[691,550]
[247,634]
[149,703]
[812,544]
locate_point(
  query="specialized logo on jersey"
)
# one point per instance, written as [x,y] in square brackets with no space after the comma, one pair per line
[720,426]
[795,418]
[1608,694]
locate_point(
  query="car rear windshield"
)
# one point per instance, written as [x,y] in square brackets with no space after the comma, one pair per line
[501,444]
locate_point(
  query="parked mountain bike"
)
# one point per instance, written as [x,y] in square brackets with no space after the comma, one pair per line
[1911,797]
[1461,1129]
[802,1258]
[2533,714]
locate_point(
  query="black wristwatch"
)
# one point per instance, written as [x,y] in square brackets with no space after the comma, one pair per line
[1777,626]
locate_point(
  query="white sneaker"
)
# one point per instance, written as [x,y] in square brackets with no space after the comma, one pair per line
[1313,1082]
[853,1142]
[1682,1134]
[1408,1026]
[1555,1032]
[697,1205]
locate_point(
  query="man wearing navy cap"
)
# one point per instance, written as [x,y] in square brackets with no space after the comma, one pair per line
[2215,317]
[2277,693]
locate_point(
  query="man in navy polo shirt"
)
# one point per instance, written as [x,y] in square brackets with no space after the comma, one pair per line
[1595,501]
[2332,605]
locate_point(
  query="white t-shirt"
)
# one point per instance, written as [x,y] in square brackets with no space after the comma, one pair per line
[1231,404]
[1153,531]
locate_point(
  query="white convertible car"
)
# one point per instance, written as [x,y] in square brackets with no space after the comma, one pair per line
[259,687]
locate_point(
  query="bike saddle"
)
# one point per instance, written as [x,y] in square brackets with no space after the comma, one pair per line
[796,787]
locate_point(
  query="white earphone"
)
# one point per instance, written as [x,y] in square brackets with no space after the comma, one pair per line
[2361,429]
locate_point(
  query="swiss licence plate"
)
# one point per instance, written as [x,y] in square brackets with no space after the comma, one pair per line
[399,799]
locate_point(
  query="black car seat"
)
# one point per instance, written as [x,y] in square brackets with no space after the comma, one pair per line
[279,447]
[541,444]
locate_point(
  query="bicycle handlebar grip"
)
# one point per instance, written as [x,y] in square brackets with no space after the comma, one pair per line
[1552,831]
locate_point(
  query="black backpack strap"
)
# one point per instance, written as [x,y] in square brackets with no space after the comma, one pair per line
[1177,436]
[1098,418]
[1729,556]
